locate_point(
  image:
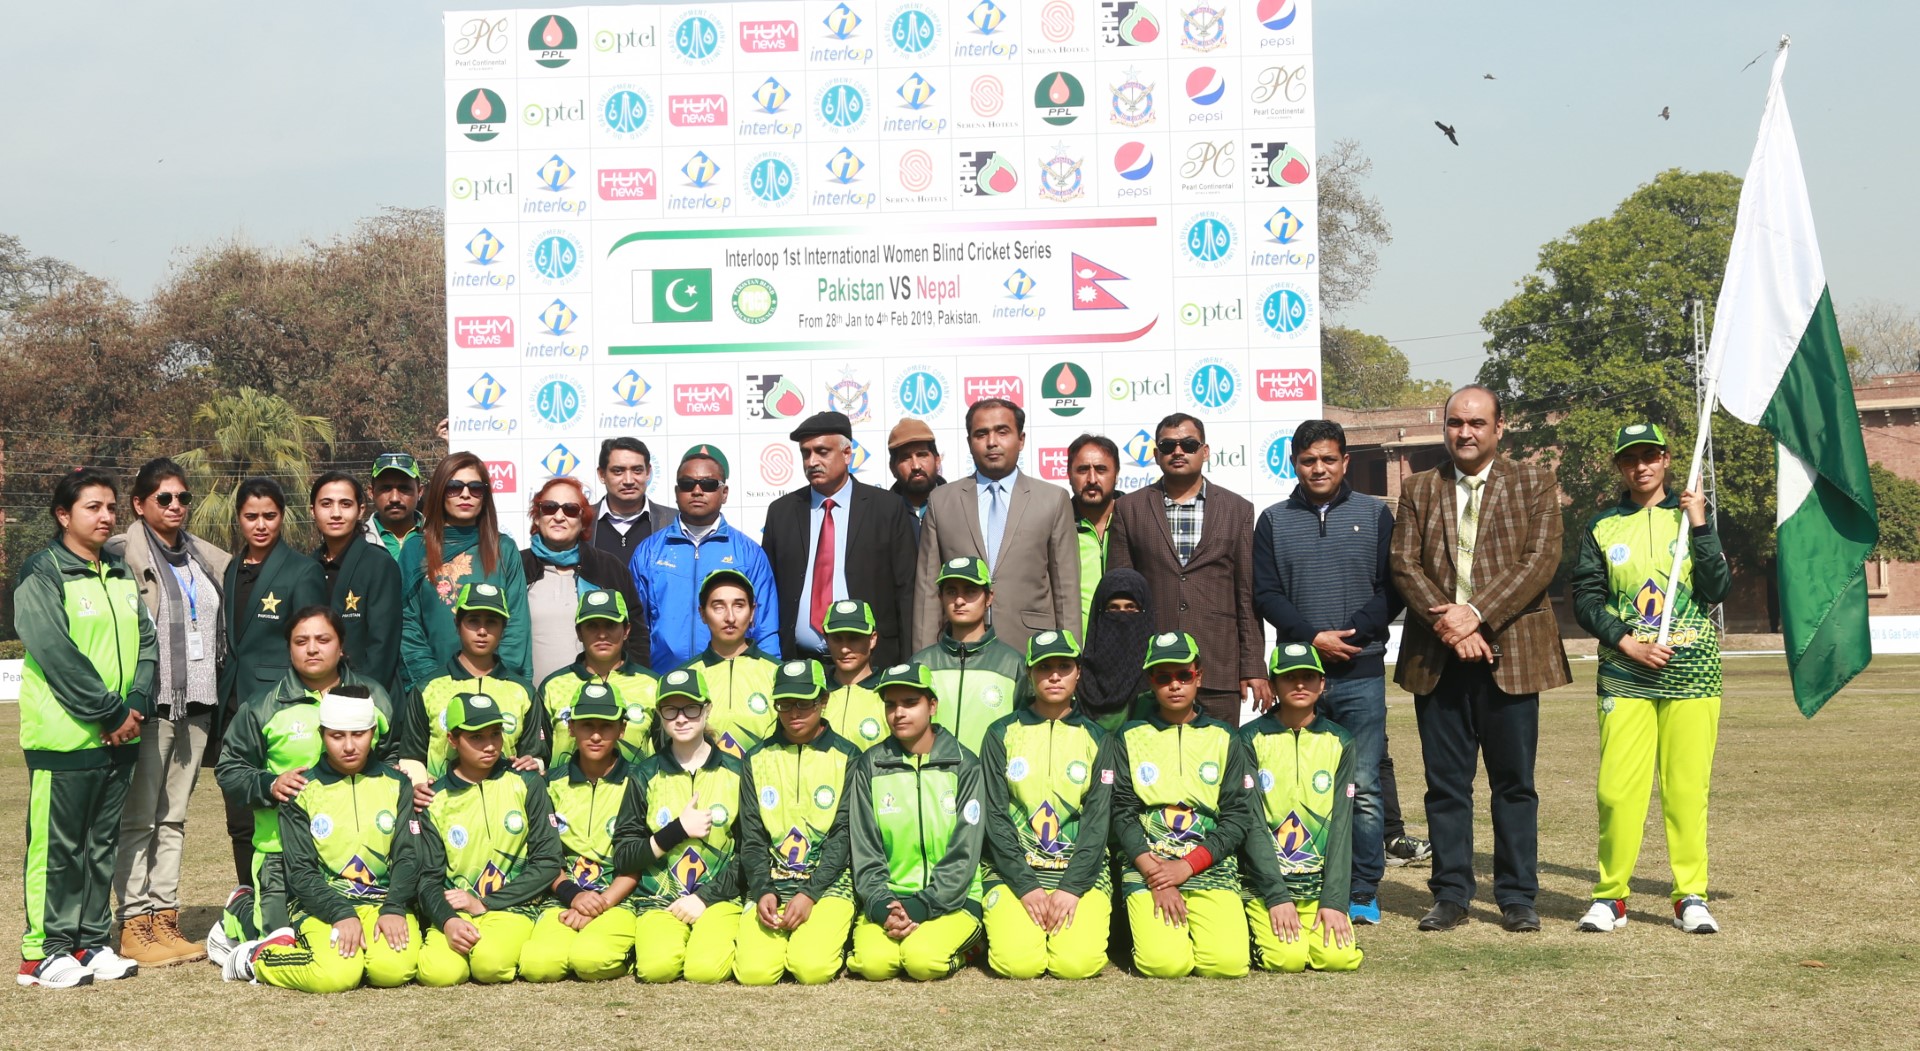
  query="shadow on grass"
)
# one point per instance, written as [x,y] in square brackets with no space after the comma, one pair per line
[1413,901]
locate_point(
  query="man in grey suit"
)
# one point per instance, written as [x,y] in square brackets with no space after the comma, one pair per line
[1021,526]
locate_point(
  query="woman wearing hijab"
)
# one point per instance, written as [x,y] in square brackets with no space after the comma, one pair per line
[1118,628]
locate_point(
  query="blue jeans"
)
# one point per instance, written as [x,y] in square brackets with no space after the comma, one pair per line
[1359,705]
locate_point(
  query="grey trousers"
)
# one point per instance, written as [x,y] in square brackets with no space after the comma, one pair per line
[153,827]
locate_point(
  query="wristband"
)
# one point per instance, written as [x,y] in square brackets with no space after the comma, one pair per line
[568,891]
[670,835]
[1199,859]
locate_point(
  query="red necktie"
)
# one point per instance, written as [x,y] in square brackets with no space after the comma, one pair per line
[823,566]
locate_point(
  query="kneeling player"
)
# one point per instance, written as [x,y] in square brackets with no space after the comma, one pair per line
[489,853]
[349,847]
[588,927]
[793,840]
[1305,783]
[914,818]
[1180,813]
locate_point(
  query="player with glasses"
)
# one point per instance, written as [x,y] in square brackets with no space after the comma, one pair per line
[562,564]
[459,543]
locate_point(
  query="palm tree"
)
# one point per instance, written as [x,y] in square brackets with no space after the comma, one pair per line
[248,434]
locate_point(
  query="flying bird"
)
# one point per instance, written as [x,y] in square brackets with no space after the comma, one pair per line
[1755,58]
[1487,76]
[1447,130]
[1666,113]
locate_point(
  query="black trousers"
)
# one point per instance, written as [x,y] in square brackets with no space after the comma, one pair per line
[1392,826]
[1465,720]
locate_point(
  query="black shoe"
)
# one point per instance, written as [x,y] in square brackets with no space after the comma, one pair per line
[1519,918]
[1445,916]
[1407,850]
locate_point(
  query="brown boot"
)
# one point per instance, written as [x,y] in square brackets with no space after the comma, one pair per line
[166,931]
[137,943]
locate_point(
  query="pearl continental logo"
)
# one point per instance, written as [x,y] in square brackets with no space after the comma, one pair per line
[479,115]
[552,41]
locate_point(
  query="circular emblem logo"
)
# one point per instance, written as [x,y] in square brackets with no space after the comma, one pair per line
[972,814]
[557,401]
[598,598]
[770,180]
[769,797]
[1213,383]
[720,813]
[1286,311]
[842,105]
[823,797]
[913,30]
[1322,781]
[664,817]
[846,606]
[1017,768]
[948,802]
[1606,705]
[679,678]
[384,822]
[757,704]
[1167,639]
[1210,772]
[485,589]
[993,897]
[1065,388]
[796,668]
[457,835]
[870,729]
[515,822]
[1266,780]
[1046,638]
[697,39]
[1210,239]
[636,713]
[624,111]
[1295,649]
[1619,553]
[555,257]
[1147,773]
[754,301]
[992,696]
[321,826]
[1638,428]
[957,563]
[1077,772]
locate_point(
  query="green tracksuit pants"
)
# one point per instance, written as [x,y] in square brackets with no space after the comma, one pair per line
[73,833]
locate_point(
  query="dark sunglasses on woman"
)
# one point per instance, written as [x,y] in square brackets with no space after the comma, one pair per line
[167,499]
[476,488]
[548,507]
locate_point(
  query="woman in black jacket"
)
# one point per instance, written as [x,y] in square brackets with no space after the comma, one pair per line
[561,563]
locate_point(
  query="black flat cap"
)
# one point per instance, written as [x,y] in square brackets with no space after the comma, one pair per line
[823,423]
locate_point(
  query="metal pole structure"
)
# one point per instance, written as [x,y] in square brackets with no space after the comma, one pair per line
[1709,490]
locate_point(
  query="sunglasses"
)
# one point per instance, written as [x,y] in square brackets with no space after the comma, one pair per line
[1185,445]
[689,712]
[167,499]
[795,704]
[1168,678]
[705,485]
[548,507]
[455,487]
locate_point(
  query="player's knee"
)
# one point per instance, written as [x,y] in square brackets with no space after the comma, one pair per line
[1016,964]
[1333,959]
[543,963]
[759,964]
[657,968]
[876,966]
[392,970]
[1077,966]
[596,966]
[442,970]
[710,971]
[1220,961]
[818,971]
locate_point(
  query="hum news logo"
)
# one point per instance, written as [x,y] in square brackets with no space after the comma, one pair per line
[702,399]
[504,476]
[1009,388]
[490,332]
[1053,464]
[708,110]
[1286,385]
[769,37]
[628,184]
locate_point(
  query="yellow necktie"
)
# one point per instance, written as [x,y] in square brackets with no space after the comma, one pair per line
[1469,532]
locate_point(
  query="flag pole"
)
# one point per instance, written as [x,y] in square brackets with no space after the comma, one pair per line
[1682,542]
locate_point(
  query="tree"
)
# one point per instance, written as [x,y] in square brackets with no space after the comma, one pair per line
[1352,227]
[1360,370]
[1899,502]
[249,434]
[1880,338]
[1600,335]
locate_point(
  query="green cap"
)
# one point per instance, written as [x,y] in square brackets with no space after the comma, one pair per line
[912,673]
[1294,655]
[476,598]
[1639,434]
[724,576]
[967,568]
[598,702]
[1173,647]
[1052,644]
[709,452]
[799,681]
[473,711]
[401,462]
[601,604]
[683,682]
[851,616]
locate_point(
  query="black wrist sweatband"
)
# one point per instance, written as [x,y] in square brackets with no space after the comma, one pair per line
[670,835]
[568,891]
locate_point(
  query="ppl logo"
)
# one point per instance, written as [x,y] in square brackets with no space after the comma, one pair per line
[628,184]
[473,333]
[1053,465]
[697,111]
[1276,14]
[1206,86]
[1287,384]
[702,399]
[504,476]
[1009,387]
[771,37]
[1133,161]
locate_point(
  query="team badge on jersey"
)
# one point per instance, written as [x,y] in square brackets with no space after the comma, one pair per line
[359,875]
[688,870]
[1147,773]
[1293,844]
[769,797]
[823,797]
[490,881]
[792,853]
[1017,768]
[1077,772]
[587,873]
[1045,824]
[1210,772]
[321,826]
[515,822]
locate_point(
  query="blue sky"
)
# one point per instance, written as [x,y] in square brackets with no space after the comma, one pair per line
[140,130]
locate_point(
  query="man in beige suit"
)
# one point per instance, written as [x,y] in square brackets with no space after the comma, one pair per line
[1021,526]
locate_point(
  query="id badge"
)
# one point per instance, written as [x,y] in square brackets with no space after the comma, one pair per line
[196,649]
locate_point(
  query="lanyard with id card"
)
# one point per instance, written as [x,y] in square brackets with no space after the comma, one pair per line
[196,645]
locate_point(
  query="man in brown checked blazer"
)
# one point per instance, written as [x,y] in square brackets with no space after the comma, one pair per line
[1475,545]
[1193,541]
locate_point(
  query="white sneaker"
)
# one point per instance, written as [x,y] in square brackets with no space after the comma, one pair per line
[59,971]
[220,944]
[1605,914]
[106,965]
[1690,914]
[239,963]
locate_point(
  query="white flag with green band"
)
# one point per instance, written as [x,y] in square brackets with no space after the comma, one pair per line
[1776,351]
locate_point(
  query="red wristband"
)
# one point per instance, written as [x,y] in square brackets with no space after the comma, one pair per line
[1199,860]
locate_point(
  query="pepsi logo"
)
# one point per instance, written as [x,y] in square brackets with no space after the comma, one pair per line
[1276,14]
[1206,85]
[1133,161]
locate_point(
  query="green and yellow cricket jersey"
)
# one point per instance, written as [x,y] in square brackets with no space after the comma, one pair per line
[706,867]
[349,840]
[1181,792]
[1049,788]
[915,830]
[977,682]
[280,731]
[591,814]
[793,818]
[856,713]
[92,657]
[423,733]
[1620,588]
[633,685]
[496,839]
[741,716]
[1304,779]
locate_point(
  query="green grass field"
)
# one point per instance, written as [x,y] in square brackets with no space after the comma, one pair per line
[1813,872]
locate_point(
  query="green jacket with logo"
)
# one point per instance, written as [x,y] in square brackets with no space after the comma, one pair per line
[1181,788]
[257,651]
[977,683]
[856,713]
[793,818]
[915,827]
[278,732]
[1304,780]
[707,868]
[496,839]
[366,594]
[350,840]
[591,815]
[741,715]
[1619,590]
[1049,786]
[91,658]
[423,718]
[633,685]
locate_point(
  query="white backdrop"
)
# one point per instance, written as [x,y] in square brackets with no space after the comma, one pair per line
[693,224]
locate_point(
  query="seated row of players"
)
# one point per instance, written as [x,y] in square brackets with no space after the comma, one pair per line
[718,823]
